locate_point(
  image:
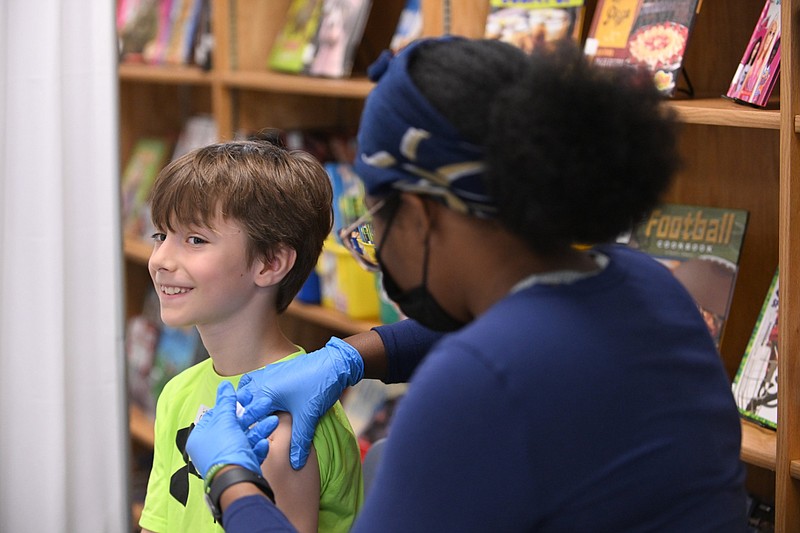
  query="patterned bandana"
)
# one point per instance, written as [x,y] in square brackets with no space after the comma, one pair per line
[405,143]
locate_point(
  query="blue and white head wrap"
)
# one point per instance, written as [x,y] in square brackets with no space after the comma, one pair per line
[405,143]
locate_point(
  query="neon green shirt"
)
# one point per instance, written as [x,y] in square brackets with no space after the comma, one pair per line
[174,500]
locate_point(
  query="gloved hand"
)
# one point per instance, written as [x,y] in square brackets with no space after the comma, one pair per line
[221,438]
[306,386]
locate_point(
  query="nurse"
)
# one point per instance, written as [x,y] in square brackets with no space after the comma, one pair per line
[554,386]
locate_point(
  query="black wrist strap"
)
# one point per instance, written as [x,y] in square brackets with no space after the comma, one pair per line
[223,480]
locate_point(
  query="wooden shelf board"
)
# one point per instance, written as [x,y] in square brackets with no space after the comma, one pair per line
[758,445]
[168,74]
[722,112]
[357,88]
[795,469]
[141,426]
[330,318]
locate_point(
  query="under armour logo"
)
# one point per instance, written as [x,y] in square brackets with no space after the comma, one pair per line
[179,482]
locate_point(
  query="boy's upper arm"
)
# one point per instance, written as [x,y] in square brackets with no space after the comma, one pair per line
[297,492]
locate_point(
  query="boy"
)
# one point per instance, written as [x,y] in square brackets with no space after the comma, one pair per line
[239,226]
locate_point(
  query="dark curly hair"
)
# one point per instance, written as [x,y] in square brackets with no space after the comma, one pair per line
[575,153]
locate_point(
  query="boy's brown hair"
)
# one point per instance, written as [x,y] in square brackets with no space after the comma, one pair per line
[280,197]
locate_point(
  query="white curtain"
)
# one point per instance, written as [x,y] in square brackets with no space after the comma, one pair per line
[63,436]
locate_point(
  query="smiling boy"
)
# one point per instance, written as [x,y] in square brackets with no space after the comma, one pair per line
[239,226]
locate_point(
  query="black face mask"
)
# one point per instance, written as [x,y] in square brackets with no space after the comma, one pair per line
[417,303]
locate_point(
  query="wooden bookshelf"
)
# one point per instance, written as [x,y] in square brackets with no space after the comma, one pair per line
[734,156]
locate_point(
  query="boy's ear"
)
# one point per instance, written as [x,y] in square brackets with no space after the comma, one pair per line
[271,272]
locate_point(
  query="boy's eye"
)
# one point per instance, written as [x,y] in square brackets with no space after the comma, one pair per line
[158,237]
[196,240]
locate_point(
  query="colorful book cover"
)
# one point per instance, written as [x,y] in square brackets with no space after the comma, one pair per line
[184,18]
[148,156]
[293,44]
[529,24]
[758,70]
[648,33]
[701,247]
[755,386]
[369,406]
[409,26]
[177,350]
[155,50]
[141,338]
[341,27]
[137,27]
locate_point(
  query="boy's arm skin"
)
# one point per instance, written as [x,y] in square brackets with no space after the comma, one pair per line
[297,492]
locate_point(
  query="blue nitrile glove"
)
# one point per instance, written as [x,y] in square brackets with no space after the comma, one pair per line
[221,438]
[306,386]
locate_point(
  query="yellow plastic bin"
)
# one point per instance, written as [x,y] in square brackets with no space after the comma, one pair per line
[345,285]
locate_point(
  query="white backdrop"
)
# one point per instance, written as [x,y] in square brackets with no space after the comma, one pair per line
[63,443]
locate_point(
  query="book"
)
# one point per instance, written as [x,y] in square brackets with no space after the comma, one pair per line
[141,337]
[758,71]
[529,24]
[651,34]
[369,406]
[177,350]
[137,27]
[755,386]
[184,20]
[148,156]
[155,50]
[339,33]
[409,25]
[198,131]
[292,48]
[203,45]
[701,247]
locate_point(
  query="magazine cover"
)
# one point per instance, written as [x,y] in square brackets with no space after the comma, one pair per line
[755,386]
[341,27]
[758,70]
[148,156]
[701,246]
[648,33]
[533,23]
[292,44]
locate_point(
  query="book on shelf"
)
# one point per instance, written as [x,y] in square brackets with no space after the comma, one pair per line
[701,246]
[137,27]
[141,337]
[534,23]
[293,47]
[155,50]
[409,25]
[755,386]
[203,45]
[148,156]
[757,73]
[184,18]
[369,406]
[340,29]
[177,350]
[198,131]
[651,34]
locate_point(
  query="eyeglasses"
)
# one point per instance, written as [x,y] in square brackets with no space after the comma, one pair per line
[359,239]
